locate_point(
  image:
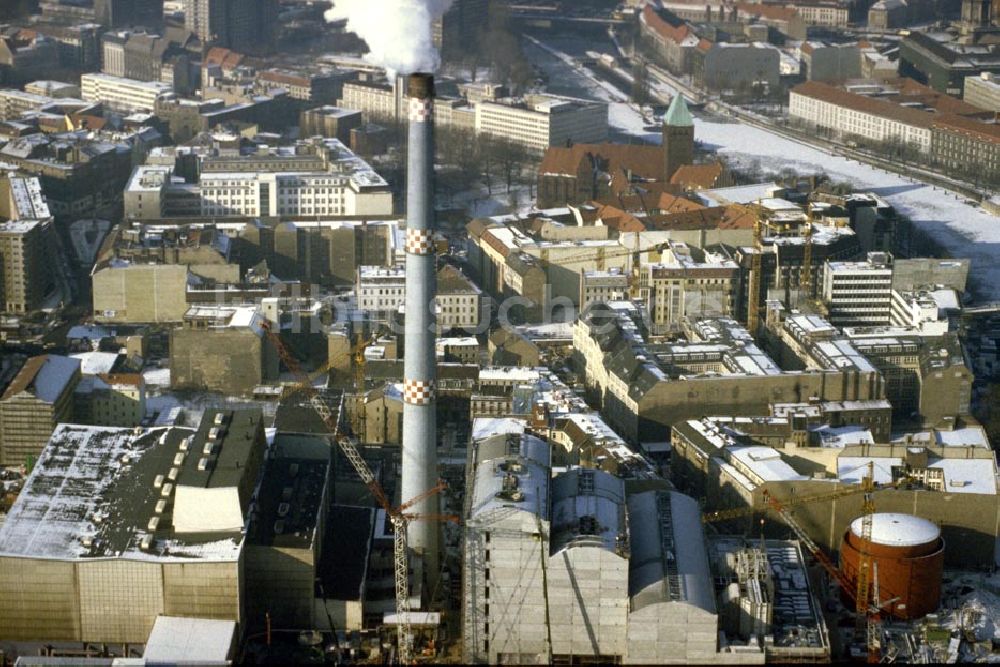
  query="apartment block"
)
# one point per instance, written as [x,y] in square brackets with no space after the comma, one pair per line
[26,252]
[38,398]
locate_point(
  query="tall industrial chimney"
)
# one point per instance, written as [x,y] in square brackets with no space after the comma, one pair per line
[419,367]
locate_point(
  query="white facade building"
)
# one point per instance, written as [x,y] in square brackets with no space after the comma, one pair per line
[120,94]
[819,106]
[859,293]
[540,121]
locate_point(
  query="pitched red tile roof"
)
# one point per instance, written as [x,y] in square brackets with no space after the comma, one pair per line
[652,19]
[986,132]
[697,176]
[643,161]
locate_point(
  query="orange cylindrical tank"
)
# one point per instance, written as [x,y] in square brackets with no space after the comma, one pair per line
[908,554]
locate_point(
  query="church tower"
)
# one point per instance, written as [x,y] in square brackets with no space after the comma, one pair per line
[678,136]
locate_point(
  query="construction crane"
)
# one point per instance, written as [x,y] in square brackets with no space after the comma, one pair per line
[398,516]
[865,621]
[866,614]
[806,276]
[756,260]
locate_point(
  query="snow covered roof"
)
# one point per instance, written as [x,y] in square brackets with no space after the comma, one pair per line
[183,640]
[764,462]
[668,560]
[100,492]
[95,363]
[46,377]
[898,530]
[485,427]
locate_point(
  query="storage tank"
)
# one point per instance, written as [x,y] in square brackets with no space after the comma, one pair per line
[908,554]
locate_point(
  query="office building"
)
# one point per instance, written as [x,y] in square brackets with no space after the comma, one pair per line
[125,13]
[123,95]
[537,122]
[983,91]
[859,293]
[245,26]
[314,178]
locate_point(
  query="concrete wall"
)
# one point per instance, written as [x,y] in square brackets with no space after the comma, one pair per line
[140,293]
[673,633]
[110,600]
[672,401]
[227,360]
[588,602]
[283,586]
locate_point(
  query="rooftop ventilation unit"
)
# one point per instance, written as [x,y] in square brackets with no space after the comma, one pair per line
[283,509]
[179,458]
[185,443]
[161,505]
[146,543]
[172,475]
[87,541]
[203,464]
[154,523]
[208,448]
[167,488]
[158,482]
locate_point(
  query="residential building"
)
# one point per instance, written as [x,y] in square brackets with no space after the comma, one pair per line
[221,349]
[887,15]
[598,286]
[80,174]
[537,122]
[324,87]
[125,13]
[143,274]
[983,91]
[91,529]
[120,94]
[38,399]
[691,283]
[26,251]
[376,101]
[112,399]
[27,54]
[381,292]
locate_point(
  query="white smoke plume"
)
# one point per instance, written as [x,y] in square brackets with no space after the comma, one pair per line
[398,32]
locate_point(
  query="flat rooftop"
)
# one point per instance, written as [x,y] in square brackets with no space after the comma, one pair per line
[95,491]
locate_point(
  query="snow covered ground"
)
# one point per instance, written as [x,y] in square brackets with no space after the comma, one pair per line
[963,230]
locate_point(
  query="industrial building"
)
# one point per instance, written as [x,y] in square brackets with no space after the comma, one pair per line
[948,477]
[571,566]
[908,556]
[115,527]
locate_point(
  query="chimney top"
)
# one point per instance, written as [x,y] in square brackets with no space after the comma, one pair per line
[420,85]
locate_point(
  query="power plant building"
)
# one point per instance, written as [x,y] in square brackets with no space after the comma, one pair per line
[908,557]
[116,526]
[570,566]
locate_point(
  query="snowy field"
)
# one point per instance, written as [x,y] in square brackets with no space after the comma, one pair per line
[963,230]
